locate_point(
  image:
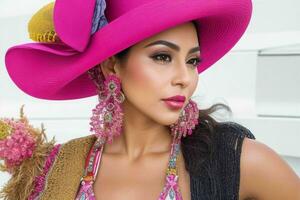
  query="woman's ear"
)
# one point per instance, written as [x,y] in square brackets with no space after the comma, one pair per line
[108,66]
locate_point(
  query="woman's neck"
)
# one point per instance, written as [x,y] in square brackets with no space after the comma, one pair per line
[140,137]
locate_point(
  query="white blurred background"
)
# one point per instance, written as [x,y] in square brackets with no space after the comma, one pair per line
[259,79]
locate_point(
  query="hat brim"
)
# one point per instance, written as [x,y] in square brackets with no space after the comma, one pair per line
[48,71]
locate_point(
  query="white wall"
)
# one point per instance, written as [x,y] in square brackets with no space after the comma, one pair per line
[232,80]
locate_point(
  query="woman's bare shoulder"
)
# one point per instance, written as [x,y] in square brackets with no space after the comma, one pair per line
[265,175]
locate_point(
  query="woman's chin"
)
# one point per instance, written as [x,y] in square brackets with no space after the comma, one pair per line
[169,117]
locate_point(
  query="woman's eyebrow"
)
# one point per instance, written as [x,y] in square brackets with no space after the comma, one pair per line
[172,46]
[195,49]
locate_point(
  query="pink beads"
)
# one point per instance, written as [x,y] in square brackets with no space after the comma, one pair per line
[187,121]
[171,190]
[106,121]
[16,142]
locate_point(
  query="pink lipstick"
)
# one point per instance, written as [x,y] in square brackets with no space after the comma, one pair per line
[175,102]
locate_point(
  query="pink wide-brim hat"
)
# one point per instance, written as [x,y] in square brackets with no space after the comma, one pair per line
[57,71]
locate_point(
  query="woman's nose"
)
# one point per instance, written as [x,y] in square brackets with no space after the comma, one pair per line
[182,75]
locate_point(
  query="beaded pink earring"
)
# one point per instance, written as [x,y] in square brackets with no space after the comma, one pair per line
[187,120]
[106,120]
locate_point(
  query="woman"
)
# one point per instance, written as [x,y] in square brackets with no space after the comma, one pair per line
[143,146]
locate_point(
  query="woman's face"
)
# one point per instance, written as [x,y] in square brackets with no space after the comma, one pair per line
[160,67]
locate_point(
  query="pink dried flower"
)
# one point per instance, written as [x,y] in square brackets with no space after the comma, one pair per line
[16,142]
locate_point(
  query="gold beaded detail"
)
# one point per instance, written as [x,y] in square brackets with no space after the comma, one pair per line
[172,166]
[49,36]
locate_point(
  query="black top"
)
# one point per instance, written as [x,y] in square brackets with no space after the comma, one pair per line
[219,178]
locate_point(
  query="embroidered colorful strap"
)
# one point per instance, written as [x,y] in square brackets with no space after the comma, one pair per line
[171,189]
[91,167]
[39,181]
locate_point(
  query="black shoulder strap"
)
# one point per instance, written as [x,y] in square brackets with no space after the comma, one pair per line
[220,176]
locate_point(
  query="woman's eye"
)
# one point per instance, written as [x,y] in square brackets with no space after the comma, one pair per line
[195,62]
[167,58]
[162,57]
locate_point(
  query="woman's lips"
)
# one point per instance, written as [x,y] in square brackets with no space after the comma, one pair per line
[174,104]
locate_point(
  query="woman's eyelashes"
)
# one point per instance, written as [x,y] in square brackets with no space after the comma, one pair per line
[165,58]
[195,61]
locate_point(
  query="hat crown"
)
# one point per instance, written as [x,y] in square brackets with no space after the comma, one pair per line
[116,8]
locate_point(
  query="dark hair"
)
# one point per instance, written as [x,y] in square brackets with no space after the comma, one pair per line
[122,55]
[201,143]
